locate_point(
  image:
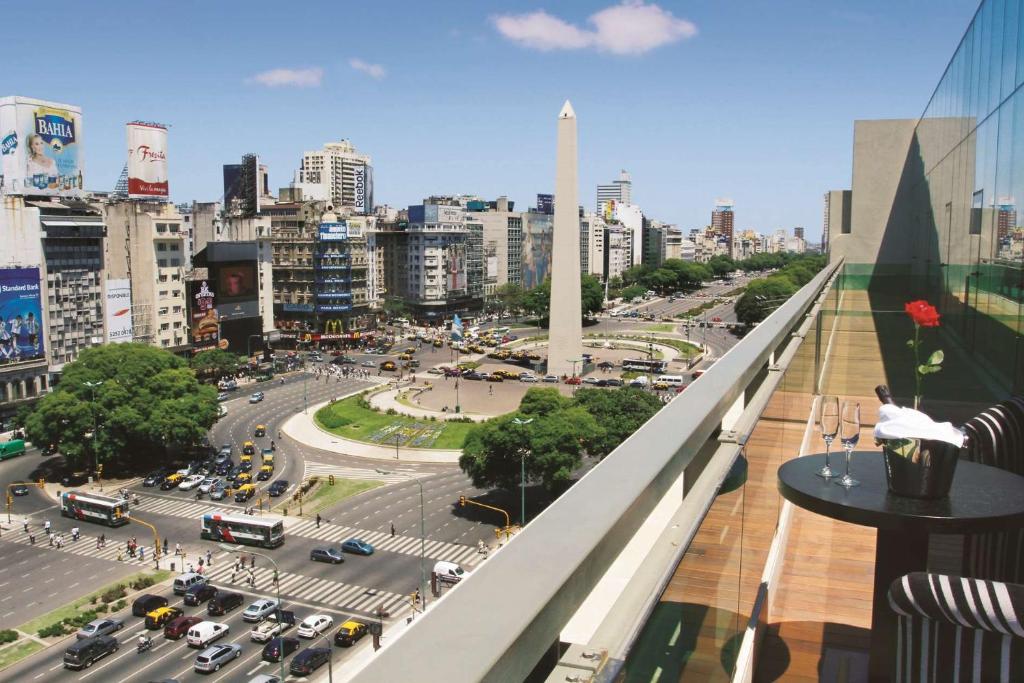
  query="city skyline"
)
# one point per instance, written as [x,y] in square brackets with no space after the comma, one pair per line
[725,131]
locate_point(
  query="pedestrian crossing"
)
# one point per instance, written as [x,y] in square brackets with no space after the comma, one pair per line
[394,477]
[406,545]
[112,550]
[345,596]
[329,533]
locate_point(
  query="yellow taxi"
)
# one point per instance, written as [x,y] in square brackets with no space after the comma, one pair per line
[350,632]
[160,616]
[438,343]
[171,481]
[243,478]
[261,430]
[405,356]
[410,349]
[388,366]
[244,492]
[248,448]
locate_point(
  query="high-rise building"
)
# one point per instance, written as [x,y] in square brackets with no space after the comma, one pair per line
[632,220]
[798,231]
[339,174]
[592,244]
[546,203]
[1006,219]
[618,192]
[502,237]
[722,220]
[340,274]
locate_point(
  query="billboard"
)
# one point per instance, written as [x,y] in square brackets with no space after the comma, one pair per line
[21,316]
[147,160]
[204,323]
[455,267]
[119,311]
[237,288]
[40,148]
[333,232]
[244,335]
[363,180]
[536,250]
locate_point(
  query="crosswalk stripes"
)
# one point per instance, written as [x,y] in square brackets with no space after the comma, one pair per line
[86,546]
[345,596]
[395,477]
[406,545]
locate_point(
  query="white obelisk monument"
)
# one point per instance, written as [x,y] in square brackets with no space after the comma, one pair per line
[565,340]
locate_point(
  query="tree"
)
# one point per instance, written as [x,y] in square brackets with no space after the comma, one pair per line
[395,307]
[538,401]
[538,300]
[511,296]
[721,265]
[620,413]
[148,405]
[591,295]
[761,297]
[215,363]
[632,292]
[635,274]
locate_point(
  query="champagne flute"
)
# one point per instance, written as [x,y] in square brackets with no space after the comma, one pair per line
[828,421]
[849,435]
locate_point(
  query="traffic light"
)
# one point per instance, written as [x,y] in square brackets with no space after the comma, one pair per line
[462,501]
[117,513]
[99,469]
[10,500]
[330,479]
[42,482]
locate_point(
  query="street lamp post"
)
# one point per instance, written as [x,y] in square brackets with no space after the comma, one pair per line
[423,539]
[95,428]
[522,476]
[227,547]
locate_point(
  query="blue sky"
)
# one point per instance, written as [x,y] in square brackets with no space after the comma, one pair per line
[754,101]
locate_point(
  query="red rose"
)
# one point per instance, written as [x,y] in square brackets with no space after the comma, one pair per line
[922,313]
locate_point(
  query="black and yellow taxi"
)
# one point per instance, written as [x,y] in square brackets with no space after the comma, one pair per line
[171,482]
[349,633]
[261,430]
[410,349]
[244,493]
[388,366]
[438,343]
[243,478]
[159,617]
[248,448]
[266,472]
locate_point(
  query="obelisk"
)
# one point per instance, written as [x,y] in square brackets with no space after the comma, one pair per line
[565,339]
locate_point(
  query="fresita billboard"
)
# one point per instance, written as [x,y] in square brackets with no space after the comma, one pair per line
[40,148]
[147,160]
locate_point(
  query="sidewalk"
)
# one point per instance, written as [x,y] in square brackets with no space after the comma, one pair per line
[389,399]
[303,429]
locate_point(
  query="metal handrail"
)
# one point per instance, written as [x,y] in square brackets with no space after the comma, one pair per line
[498,622]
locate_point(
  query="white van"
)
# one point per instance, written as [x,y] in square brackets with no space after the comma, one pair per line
[205,632]
[639,382]
[449,572]
[671,380]
[186,581]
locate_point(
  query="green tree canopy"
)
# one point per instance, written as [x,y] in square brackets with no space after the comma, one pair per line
[394,307]
[591,295]
[763,296]
[148,406]
[216,363]
[511,296]
[538,300]
[620,413]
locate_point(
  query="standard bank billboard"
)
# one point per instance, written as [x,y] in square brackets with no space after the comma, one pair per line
[21,316]
[40,148]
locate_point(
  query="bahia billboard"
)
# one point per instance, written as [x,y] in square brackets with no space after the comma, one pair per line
[21,316]
[40,148]
[119,311]
[147,160]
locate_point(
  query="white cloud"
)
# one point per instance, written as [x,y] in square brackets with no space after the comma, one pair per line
[372,70]
[297,78]
[630,28]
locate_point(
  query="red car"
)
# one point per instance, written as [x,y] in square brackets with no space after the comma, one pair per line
[176,628]
[716,319]
[573,380]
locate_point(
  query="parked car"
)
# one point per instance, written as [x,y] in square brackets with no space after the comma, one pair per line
[357,547]
[278,488]
[573,380]
[367,364]
[527,377]
[99,627]
[350,633]
[495,377]
[326,554]
[177,628]
[190,482]
[259,610]
[435,371]
[223,396]
[614,382]
[309,660]
[213,658]
[314,625]
[256,398]
[472,374]
[279,648]
[590,380]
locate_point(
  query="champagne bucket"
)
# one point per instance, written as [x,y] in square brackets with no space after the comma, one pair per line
[919,468]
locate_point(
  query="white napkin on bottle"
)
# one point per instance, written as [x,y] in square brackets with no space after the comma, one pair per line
[895,422]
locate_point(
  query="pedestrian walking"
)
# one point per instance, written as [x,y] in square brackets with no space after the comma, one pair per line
[165,546]
[392,529]
[209,558]
[31,539]
[233,574]
[24,524]
[275,577]
[177,549]
[252,561]
[46,526]
[191,569]
[238,565]
[49,537]
[318,520]
[97,543]
[142,554]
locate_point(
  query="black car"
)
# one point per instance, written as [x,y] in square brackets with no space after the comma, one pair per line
[19,489]
[601,383]
[199,593]
[309,660]
[154,478]
[279,648]
[326,554]
[82,653]
[232,473]
[147,603]
[245,466]
[278,487]
[263,474]
[614,382]
[222,603]
[224,467]
[472,375]
[74,479]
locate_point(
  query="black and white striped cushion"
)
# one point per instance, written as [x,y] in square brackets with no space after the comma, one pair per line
[958,629]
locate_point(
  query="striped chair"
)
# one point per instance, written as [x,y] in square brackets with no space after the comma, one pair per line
[996,437]
[957,629]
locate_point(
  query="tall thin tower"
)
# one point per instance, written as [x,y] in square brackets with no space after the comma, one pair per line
[565,340]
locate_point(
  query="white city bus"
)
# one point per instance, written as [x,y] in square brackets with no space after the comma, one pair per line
[267,532]
[93,507]
[671,380]
[643,365]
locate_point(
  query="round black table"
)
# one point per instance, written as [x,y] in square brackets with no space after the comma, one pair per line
[981,499]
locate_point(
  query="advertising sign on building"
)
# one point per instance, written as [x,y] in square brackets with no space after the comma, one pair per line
[21,316]
[237,287]
[205,323]
[40,148]
[333,232]
[455,268]
[147,160]
[119,311]
[492,266]
[360,188]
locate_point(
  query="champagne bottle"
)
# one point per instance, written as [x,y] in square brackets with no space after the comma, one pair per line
[884,395]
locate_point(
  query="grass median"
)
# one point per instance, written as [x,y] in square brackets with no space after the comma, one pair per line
[326,495]
[351,419]
[18,651]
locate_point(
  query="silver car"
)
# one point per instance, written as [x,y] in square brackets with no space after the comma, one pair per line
[259,610]
[218,492]
[99,627]
[208,483]
[216,656]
